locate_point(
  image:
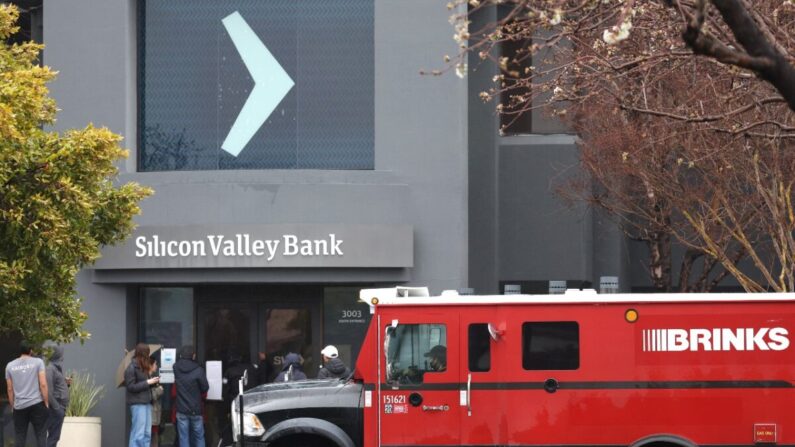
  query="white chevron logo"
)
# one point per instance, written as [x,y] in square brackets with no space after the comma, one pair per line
[271,83]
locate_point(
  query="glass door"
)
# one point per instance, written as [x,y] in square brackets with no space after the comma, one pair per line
[289,328]
[257,326]
[226,329]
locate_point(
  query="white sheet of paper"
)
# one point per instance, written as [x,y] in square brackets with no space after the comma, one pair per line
[215,378]
[166,376]
[167,358]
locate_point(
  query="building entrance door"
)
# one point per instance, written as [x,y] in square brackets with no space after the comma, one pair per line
[256,331]
[252,331]
[226,329]
[289,328]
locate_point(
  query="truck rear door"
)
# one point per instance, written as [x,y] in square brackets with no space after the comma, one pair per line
[418,398]
[484,416]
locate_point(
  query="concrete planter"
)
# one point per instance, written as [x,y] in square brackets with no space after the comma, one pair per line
[81,432]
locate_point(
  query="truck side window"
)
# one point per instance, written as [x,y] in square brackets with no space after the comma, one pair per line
[412,350]
[479,347]
[551,345]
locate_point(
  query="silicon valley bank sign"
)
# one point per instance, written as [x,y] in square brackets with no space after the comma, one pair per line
[257,246]
[239,245]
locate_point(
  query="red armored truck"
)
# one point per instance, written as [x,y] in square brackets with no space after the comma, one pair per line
[678,370]
[580,369]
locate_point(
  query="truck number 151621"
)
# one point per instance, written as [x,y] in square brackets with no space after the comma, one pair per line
[394,399]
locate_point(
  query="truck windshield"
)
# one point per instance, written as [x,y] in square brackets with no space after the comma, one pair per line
[412,350]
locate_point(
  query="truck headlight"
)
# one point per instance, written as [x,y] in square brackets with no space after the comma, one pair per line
[251,425]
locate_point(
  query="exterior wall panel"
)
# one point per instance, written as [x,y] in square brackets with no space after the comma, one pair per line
[419,179]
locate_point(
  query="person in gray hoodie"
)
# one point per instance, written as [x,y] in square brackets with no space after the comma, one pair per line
[58,385]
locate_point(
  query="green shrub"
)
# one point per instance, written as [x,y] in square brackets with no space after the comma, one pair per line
[84,394]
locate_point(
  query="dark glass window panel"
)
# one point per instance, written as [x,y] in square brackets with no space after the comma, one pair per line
[414,350]
[227,330]
[193,84]
[551,345]
[289,330]
[512,120]
[479,347]
[31,21]
[167,316]
[166,319]
[345,321]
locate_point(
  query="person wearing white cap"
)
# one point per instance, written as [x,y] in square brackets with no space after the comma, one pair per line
[332,368]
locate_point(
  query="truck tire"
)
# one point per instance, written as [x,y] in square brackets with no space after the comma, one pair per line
[307,432]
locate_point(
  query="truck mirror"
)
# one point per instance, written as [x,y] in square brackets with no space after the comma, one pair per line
[494,332]
[394,323]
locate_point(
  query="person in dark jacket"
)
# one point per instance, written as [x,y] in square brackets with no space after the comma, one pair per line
[332,368]
[191,382]
[234,372]
[292,369]
[264,368]
[58,386]
[137,381]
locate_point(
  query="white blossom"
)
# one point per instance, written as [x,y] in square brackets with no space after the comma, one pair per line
[461,32]
[616,34]
[461,70]
[556,18]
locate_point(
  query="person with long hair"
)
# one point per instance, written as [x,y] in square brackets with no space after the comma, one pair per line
[138,380]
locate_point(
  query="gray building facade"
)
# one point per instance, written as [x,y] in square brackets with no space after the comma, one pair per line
[398,217]
[521,231]
[363,173]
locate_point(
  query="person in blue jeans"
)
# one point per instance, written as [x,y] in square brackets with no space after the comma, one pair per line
[191,383]
[137,381]
[28,396]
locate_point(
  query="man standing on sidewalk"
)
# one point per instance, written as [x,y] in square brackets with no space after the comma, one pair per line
[27,396]
[58,389]
[191,383]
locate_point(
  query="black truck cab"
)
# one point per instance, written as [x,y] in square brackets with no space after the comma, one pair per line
[310,413]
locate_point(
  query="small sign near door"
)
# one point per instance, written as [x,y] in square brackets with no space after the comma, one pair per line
[167,358]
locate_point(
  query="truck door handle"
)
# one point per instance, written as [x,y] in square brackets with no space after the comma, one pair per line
[435,408]
[469,394]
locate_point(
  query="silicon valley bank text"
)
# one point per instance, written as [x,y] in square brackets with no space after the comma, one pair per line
[240,245]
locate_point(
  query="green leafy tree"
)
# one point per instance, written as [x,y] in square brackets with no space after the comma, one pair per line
[58,201]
